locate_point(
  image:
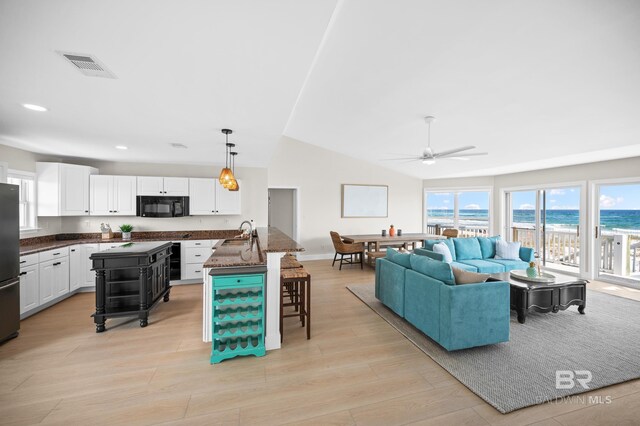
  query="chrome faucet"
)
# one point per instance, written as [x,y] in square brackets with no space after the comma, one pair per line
[250,227]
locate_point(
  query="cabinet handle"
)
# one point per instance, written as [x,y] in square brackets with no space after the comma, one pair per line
[55,254]
[195,271]
[57,263]
[161,192]
[23,261]
[197,255]
[86,211]
[73,250]
[24,273]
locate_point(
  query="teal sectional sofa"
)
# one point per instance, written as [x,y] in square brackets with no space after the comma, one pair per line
[423,291]
[477,254]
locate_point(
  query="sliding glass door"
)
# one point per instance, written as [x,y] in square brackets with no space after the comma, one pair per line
[617,232]
[547,220]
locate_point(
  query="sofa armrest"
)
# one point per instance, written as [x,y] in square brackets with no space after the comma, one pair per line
[429,253]
[474,314]
[526,254]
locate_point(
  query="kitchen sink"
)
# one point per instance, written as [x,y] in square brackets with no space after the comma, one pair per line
[237,242]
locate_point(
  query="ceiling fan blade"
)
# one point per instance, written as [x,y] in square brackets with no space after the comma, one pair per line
[466,154]
[453,151]
[402,158]
[456,158]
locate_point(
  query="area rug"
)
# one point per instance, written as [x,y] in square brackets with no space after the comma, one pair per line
[605,343]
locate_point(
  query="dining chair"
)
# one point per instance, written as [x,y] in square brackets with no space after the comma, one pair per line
[450,233]
[347,249]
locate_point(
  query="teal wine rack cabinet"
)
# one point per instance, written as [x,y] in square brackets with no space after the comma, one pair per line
[237,313]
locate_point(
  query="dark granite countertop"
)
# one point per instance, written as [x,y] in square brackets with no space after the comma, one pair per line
[50,242]
[240,253]
[274,240]
[253,252]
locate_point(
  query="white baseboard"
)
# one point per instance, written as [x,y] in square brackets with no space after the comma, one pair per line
[302,257]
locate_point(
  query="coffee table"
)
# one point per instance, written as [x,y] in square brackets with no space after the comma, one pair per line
[542,297]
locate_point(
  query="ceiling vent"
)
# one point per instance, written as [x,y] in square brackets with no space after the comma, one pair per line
[87,65]
[178,145]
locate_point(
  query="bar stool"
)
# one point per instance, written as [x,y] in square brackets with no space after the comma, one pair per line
[295,283]
[288,261]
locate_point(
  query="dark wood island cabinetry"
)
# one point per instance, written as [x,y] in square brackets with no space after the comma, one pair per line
[130,281]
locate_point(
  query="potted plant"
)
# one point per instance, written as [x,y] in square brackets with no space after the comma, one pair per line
[126,231]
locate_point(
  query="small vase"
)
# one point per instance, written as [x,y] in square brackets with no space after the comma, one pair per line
[532,272]
[126,235]
[392,231]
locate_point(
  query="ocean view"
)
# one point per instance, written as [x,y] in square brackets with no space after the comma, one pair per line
[609,219]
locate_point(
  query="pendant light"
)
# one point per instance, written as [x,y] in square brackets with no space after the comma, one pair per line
[226,175]
[233,185]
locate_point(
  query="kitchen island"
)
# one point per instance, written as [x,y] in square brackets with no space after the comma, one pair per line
[130,281]
[241,256]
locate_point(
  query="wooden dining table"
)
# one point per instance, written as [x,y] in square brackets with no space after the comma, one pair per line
[374,242]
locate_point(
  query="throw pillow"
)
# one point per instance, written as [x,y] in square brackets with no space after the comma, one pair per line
[488,246]
[442,249]
[507,251]
[467,277]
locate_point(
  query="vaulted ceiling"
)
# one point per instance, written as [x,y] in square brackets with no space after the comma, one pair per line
[535,84]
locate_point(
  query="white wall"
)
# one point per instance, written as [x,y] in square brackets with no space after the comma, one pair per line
[319,173]
[254,195]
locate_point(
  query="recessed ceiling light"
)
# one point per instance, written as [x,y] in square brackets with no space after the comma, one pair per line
[33,107]
[121,147]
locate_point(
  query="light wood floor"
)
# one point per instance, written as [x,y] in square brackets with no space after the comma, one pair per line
[356,369]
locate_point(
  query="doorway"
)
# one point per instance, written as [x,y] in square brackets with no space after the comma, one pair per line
[549,220]
[617,232]
[283,210]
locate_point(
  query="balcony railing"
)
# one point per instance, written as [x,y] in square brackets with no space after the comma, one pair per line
[619,253]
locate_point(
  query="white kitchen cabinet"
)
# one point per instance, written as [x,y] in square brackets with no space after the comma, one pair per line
[46,277]
[169,186]
[193,254]
[29,288]
[89,275]
[53,274]
[208,197]
[63,189]
[113,195]
[76,267]
[61,277]
[202,196]
[228,202]
[149,185]
[176,186]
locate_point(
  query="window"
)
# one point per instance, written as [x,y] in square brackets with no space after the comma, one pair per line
[467,211]
[27,183]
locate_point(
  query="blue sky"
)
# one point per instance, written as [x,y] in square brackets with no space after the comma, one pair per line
[612,197]
[466,200]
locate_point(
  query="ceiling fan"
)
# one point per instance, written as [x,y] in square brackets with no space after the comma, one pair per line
[429,156]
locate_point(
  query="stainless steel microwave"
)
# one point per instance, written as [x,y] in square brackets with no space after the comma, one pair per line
[162,206]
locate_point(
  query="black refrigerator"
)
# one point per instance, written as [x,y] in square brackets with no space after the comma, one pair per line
[9,262]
